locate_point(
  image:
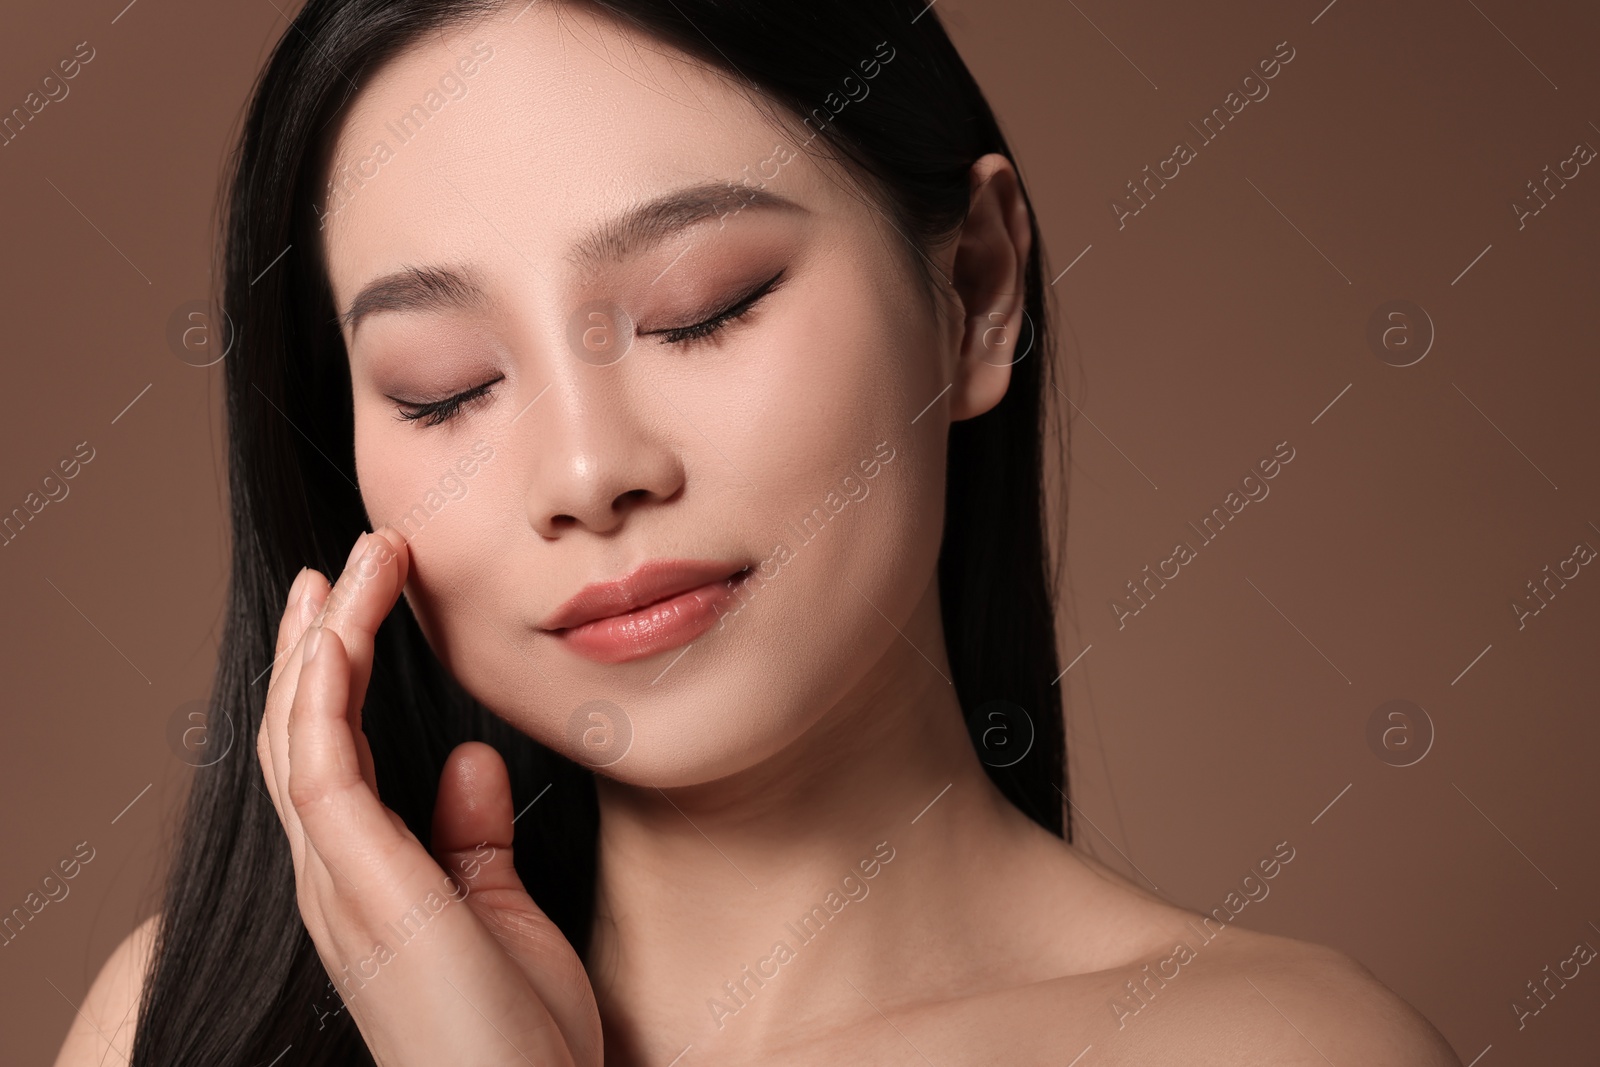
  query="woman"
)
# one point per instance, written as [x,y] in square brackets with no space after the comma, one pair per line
[687,360]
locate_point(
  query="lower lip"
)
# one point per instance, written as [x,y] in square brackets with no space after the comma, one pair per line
[654,628]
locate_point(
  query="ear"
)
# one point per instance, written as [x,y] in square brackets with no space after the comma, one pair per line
[989,275]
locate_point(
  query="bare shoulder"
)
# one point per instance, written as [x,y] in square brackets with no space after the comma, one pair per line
[106,1020]
[1147,982]
[1249,997]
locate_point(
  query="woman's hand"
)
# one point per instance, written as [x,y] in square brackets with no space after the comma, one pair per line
[433,970]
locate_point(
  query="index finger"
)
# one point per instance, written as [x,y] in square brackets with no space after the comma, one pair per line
[362,598]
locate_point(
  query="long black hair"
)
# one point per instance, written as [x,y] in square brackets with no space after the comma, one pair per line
[235,978]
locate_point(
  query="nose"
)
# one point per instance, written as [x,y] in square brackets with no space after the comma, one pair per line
[596,461]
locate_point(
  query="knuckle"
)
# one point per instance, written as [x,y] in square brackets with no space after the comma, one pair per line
[350,601]
[291,626]
[307,794]
[286,628]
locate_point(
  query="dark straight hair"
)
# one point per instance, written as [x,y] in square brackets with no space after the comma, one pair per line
[235,978]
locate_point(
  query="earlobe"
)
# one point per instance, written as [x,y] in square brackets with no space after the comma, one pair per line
[983,372]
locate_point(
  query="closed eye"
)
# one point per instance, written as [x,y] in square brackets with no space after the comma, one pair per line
[741,306]
[434,412]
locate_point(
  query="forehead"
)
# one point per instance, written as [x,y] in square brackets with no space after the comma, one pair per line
[517,135]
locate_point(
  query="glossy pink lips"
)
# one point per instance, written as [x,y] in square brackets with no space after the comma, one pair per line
[659,606]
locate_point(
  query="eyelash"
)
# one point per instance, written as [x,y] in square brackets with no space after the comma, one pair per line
[689,335]
[435,412]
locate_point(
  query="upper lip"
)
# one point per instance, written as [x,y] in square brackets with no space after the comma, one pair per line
[655,580]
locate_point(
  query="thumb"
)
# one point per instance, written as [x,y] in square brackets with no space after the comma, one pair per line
[472,828]
[472,833]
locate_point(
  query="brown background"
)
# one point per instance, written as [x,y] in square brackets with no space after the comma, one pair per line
[1221,320]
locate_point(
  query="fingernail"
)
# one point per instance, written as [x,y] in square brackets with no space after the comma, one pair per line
[310,599]
[382,542]
[313,638]
[297,588]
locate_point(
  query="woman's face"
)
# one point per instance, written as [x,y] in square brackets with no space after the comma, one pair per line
[788,445]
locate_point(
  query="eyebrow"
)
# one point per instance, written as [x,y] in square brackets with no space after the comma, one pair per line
[640,227]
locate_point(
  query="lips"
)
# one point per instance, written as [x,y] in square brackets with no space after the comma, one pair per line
[650,583]
[660,606]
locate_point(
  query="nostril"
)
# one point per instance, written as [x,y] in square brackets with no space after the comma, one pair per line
[631,496]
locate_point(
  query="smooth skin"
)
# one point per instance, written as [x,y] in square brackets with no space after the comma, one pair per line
[491,981]
[786,746]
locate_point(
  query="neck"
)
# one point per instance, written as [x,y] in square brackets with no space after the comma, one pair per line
[727,912]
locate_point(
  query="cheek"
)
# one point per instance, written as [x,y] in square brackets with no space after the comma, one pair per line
[380,470]
[475,581]
[838,383]
[411,480]
[474,599]
[846,369]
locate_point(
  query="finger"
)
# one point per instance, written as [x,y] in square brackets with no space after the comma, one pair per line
[357,605]
[363,596]
[472,820]
[305,599]
[277,726]
[288,634]
[271,743]
[319,602]
[325,785]
[472,834]
[357,863]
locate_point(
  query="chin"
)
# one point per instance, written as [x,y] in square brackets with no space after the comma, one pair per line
[718,711]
